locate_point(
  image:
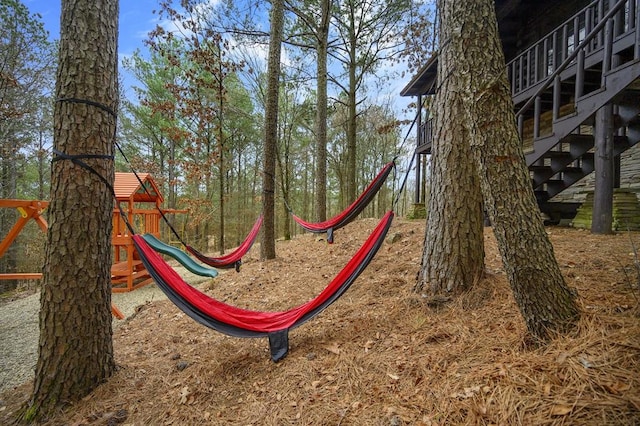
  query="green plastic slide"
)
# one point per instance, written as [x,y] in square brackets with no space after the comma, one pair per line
[182,257]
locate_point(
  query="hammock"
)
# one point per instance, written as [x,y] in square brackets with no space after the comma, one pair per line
[350,212]
[239,322]
[233,259]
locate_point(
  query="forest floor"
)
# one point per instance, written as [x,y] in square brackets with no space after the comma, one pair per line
[382,354]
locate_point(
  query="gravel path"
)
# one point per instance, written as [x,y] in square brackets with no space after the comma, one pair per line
[19,330]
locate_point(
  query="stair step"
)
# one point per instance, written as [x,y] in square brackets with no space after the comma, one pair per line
[557,211]
[628,106]
[621,144]
[579,144]
[588,161]
[541,196]
[557,160]
[543,174]
[540,175]
[555,186]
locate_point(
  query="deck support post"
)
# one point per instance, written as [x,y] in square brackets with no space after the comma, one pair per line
[602,218]
[418,171]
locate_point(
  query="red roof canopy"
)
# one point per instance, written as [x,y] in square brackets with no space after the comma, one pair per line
[128,188]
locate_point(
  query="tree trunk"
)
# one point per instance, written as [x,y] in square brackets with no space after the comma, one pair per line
[545,301]
[453,256]
[9,261]
[321,114]
[268,241]
[221,145]
[75,349]
[351,121]
[221,180]
[284,168]
[9,189]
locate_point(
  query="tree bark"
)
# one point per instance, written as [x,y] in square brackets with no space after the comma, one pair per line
[544,299]
[453,256]
[268,240]
[222,150]
[352,115]
[75,348]
[321,114]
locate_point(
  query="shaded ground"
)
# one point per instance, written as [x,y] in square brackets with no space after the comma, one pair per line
[380,355]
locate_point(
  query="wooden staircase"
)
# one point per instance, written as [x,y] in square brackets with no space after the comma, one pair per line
[558,84]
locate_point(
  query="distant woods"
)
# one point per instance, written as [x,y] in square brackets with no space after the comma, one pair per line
[27,71]
[197,121]
[194,115]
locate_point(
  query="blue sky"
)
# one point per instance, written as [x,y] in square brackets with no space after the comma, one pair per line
[136,20]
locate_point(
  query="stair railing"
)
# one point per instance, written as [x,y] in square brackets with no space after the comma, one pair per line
[577,52]
[591,41]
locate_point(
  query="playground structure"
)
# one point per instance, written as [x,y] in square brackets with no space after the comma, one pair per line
[29,210]
[132,192]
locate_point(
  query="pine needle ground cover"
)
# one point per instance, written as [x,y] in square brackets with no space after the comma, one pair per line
[382,355]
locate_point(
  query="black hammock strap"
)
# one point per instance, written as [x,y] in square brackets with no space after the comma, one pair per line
[143,186]
[77,159]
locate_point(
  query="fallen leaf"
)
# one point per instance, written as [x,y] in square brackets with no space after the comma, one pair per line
[184,395]
[334,349]
[561,410]
[617,388]
[562,357]
[585,361]
[368,345]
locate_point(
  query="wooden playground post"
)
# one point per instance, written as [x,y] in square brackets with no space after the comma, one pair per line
[132,190]
[29,209]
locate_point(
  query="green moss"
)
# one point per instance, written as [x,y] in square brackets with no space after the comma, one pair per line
[417,211]
[28,414]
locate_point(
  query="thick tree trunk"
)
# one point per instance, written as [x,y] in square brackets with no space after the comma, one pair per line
[75,349]
[544,299]
[453,257]
[268,241]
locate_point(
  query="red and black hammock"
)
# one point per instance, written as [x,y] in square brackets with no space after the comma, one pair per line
[350,212]
[233,259]
[239,322]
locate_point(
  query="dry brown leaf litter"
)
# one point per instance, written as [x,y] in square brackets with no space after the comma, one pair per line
[380,355]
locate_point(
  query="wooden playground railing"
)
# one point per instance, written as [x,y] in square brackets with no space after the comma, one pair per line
[29,210]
